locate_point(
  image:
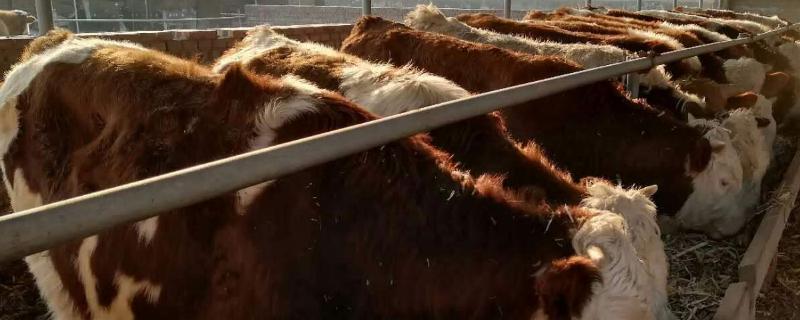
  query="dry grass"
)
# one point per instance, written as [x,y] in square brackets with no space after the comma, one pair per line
[702,268]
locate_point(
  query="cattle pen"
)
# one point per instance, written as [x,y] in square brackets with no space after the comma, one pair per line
[30,231]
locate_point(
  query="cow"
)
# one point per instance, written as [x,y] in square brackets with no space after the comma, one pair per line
[635,41]
[391,232]
[656,86]
[772,22]
[481,144]
[15,22]
[649,149]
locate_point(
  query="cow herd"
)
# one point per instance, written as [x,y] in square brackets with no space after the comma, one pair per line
[545,210]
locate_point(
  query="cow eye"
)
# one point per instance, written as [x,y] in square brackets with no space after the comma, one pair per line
[724,183]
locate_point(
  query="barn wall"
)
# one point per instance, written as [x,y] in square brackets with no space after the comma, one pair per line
[788,9]
[205,45]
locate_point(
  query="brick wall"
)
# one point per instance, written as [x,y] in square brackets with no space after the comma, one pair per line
[205,45]
[297,15]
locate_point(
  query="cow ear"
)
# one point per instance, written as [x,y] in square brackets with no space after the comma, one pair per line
[649,191]
[762,122]
[774,83]
[237,83]
[717,146]
[743,100]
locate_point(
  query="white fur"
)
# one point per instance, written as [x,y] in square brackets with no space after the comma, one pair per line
[59,303]
[750,143]
[791,50]
[146,229]
[258,40]
[773,21]
[626,290]
[658,77]
[380,88]
[714,23]
[639,212]
[763,108]
[280,110]
[694,62]
[430,18]
[715,188]
[693,28]
[746,74]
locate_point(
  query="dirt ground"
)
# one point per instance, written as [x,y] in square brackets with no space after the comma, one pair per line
[781,300]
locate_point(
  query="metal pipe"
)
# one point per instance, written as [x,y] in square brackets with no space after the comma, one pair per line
[366,9]
[674,4]
[44,15]
[507,9]
[638,5]
[40,228]
[588,3]
[700,4]
[75,12]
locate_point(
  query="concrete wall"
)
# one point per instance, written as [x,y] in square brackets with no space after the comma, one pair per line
[204,45]
[296,15]
[787,9]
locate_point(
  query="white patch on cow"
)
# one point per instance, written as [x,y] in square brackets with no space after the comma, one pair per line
[639,212]
[658,77]
[430,18]
[73,51]
[127,289]
[83,264]
[386,90]
[693,28]
[746,74]
[280,110]
[791,50]
[773,21]
[750,143]
[257,41]
[51,288]
[693,62]
[9,124]
[40,265]
[626,289]
[146,229]
[715,188]
[246,196]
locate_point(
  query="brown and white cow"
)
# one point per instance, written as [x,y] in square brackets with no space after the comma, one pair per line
[392,232]
[14,22]
[480,144]
[580,129]
[634,41]
[655,86]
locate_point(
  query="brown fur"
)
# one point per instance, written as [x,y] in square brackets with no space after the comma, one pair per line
[481,144]
[567,125]
[40,44]
[392,232]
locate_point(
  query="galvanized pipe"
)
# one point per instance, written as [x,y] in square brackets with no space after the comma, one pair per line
[638,5]
[674,4]
[366,7]
[588,3]
[40,228]
[44,15]
[507,9]
[700,4]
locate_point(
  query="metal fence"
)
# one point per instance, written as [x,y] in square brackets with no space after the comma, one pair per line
[40,228]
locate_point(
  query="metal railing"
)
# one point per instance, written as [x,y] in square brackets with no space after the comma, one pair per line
[40,228]
[238,19]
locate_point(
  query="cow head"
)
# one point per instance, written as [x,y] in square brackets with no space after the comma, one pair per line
[627,289]
[17,22]
[639,212]
[716,95]
[716,186]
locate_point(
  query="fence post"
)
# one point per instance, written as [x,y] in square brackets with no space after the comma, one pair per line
[674,4]
[44,14]
[700,4]
[638,5]
[507,9]
[588,3]
[366,9]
